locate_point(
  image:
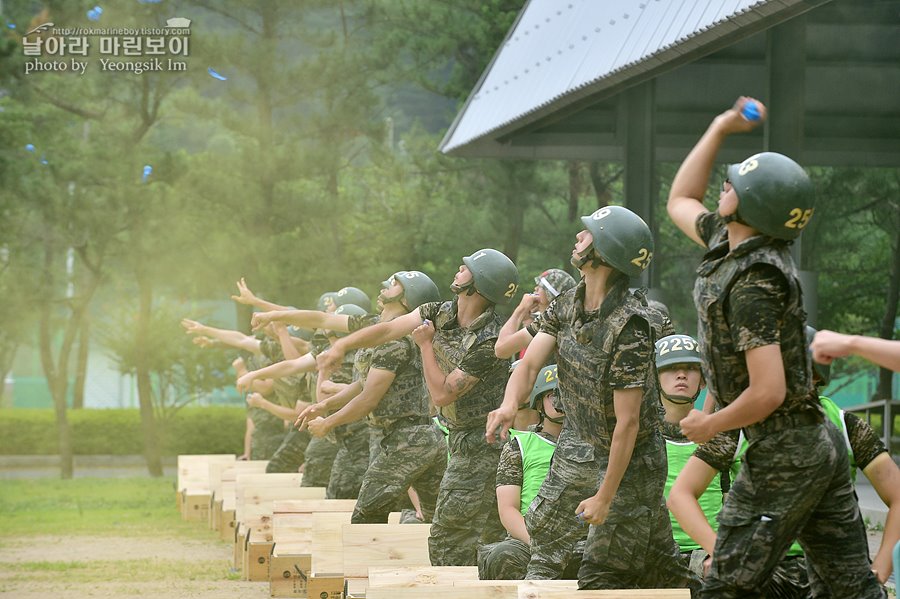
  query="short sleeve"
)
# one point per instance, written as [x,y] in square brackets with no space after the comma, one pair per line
[549,321]
[480,360]
[535,326]
[632,356]
[866,445]
[430,310]
[392,356]
[708,225]
[509,468]
[719,451]
[755,307]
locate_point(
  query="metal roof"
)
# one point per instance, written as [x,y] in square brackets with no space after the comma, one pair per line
[560,51]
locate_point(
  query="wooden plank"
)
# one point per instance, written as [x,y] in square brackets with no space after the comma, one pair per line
[310,505]
[444,592]
[394,518]
[258,514]
[387,545]
[520,589]
[420,576]
[193,470]
[327,540]
[292,530]
[247,485]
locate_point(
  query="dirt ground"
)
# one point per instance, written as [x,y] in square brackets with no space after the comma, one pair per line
[75,567]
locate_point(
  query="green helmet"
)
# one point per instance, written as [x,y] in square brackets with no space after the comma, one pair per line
[494,276]
[325,300]
[621,239]
[555,281]
[547,380]
[348,310]
[353,295]
[300,333]
[677,349]
[822,370]
[418,288]
[775,194]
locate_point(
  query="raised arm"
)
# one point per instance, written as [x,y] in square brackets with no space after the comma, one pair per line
[255,400]
[332,403]
[884,475]
[512,338]
[685,202]
[443,389]
[232,338]
[247,297]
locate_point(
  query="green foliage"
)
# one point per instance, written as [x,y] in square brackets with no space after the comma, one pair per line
[192,430]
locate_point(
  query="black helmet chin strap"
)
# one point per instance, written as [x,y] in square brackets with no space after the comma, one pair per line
[590,255]
[469,287]
[680,400]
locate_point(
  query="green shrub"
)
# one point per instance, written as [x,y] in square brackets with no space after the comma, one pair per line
[118,432]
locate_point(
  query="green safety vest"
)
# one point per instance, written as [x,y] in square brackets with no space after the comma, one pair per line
[678,453]
[444,430]
[536,453]
[836,415]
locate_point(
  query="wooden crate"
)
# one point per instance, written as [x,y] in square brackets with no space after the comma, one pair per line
[383,545]
[193,484]
[307,535]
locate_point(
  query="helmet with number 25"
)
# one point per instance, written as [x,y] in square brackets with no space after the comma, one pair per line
[621,239]
[775,195]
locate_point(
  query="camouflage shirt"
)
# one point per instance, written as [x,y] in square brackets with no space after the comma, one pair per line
[407,397]
[747,298]
[470,349]
[343,375]
[595,358]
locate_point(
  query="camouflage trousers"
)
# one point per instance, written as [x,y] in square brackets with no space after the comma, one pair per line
[634,547]
[318,461]
[506,560]
[265,443]
[413,455]
[788,581]
[350,463]
[793,483]
[557,535]
[291,453]
[466,512]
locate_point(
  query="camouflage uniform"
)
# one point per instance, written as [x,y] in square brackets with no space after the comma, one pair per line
[292,451]
[466,510]
[557,536]
[722,453]
[352,458]
[795,480]
[634,547]
[268,430]
[411,453]
[508,559]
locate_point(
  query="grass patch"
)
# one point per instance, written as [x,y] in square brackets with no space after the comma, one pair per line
[96,506]
[135,571]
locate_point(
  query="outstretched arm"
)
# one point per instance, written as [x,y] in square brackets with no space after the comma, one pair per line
[685,202]
[828,345]
[372,336]
[233,338]
[308,319]
[255,400]
[305,363]
[247,297]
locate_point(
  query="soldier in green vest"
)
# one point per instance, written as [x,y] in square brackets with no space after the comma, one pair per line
[751,333]
[680,383]
[389,392]
[465,381]
[603,336]
[524,463]
[722,456]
